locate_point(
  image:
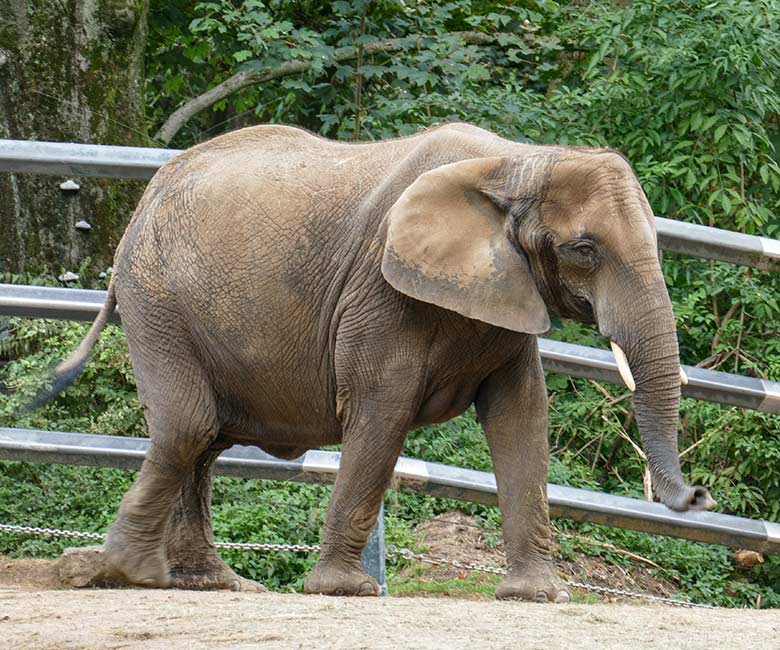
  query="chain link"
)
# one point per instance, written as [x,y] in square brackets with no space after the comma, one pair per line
[245,546]
[609,591]
[392,551]
[251,546]
[54,532]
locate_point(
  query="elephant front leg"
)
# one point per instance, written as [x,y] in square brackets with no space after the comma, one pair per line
[512,408]
[368,458]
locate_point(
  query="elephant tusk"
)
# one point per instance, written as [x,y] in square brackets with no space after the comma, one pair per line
[683,377]
[623,367]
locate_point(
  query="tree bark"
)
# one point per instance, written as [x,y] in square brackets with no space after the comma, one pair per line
[70,71]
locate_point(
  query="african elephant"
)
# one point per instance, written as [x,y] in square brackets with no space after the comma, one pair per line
[282,290]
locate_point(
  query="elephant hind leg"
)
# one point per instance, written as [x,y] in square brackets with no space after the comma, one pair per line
[182,418]
[192,556]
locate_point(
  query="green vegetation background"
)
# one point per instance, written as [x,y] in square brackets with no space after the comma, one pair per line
[687,89]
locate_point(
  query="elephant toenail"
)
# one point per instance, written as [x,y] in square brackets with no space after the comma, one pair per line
[367,589]
[235,585]
[541,597]
[563,597]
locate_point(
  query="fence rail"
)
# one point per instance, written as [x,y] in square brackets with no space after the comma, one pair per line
[411,475]
[557,357]
[141,163]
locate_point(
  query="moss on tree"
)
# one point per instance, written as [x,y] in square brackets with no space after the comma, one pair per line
[70,71]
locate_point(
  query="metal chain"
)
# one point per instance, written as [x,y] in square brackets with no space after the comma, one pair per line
[245,546]
[609,591]
[54,532]
[392,551]
[251,546]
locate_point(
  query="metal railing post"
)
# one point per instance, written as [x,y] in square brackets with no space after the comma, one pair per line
[374,553]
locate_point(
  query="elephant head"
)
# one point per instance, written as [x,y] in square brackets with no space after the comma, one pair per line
[568,232]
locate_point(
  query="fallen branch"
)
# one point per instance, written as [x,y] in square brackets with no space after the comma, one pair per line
[252,77]
[608,546]
[629,554]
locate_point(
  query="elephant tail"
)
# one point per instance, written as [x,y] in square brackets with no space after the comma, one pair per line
[68,370]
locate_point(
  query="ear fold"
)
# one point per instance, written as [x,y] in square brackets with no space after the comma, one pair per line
[446,245]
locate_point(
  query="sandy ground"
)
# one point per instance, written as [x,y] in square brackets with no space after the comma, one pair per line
[34,614]
[143,620]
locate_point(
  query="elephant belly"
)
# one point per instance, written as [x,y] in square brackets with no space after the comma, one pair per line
[271,394]
[446,403]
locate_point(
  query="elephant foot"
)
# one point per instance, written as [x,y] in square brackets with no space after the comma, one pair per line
[541,586]
[216,576]
[90,566]
[339,580]
[98,566]
[138,566]
[86,567]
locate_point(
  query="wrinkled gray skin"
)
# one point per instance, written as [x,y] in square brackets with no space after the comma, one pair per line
[285,291]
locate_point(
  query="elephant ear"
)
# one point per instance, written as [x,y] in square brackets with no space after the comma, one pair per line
[446,244]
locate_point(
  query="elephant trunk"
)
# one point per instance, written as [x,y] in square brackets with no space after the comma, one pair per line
[644,328]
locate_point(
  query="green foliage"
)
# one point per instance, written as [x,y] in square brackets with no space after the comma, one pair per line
[102,400]
[269,512]
[688,91]
[417,585]
[86,499]
[54,496]
[703,572]
[419,82]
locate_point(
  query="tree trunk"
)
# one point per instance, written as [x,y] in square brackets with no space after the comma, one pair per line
[70,71]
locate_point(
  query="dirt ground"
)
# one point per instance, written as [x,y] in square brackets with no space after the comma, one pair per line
[35,614]
[146,620]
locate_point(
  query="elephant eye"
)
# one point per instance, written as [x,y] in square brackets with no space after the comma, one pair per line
[580,253]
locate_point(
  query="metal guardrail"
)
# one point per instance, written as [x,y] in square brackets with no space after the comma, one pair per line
[141,163]
[716,244]
[52,302]
[74,159]
[557,357]
[708,385]
[410,475]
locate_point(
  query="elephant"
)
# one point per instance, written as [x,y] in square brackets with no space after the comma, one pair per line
[283,290]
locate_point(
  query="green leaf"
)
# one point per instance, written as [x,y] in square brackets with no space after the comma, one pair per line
[242,55]
[725,203]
